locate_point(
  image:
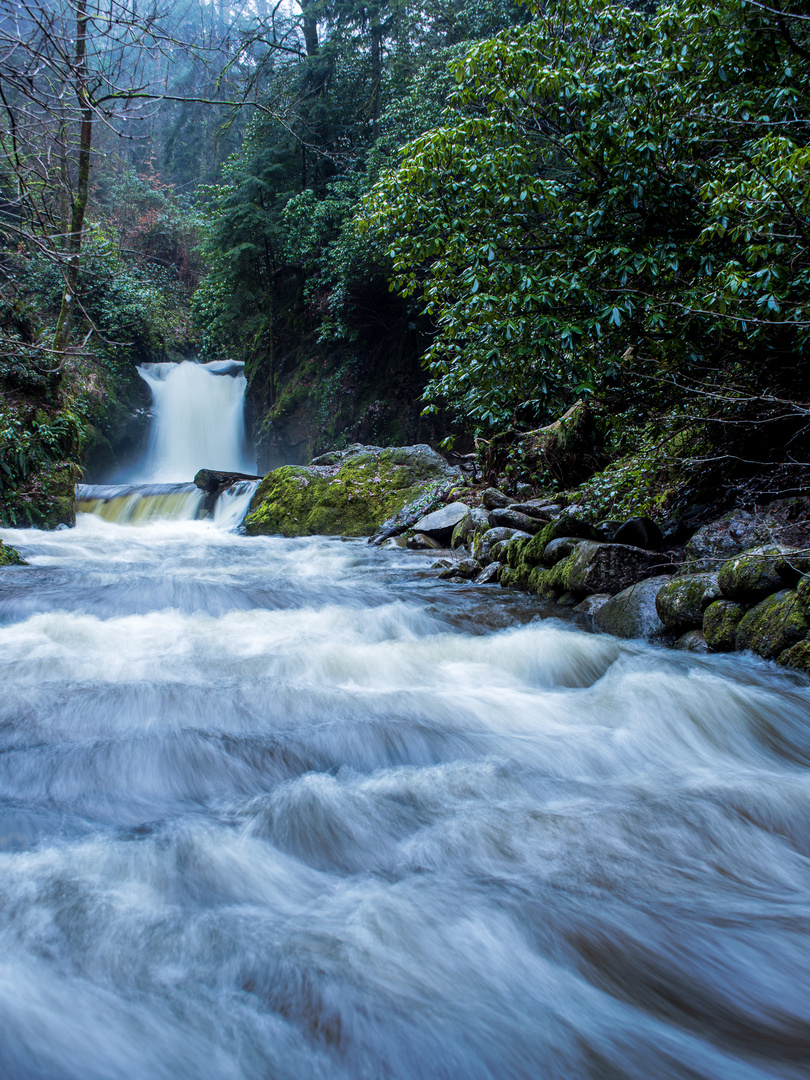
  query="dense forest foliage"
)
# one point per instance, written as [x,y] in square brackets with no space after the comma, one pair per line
[544,204]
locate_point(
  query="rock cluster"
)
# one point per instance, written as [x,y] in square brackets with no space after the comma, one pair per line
[758,600]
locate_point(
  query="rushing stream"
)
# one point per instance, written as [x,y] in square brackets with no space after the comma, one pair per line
[288,809]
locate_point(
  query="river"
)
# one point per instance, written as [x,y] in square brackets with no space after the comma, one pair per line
[295,809]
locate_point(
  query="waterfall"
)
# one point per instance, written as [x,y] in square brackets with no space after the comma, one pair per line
[198,422]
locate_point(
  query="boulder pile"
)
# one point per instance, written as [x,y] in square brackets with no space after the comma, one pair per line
[757,600]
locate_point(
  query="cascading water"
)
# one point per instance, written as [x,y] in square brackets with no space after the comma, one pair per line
[198,422]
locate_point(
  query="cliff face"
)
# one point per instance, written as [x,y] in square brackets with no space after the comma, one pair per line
[315,394]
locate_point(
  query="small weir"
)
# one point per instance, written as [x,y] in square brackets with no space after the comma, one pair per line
[198,422]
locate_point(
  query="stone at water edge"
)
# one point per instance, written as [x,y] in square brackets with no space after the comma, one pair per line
[466,569]
[693,641]
[631,613]
[475,519]
[591,604]
[489,575]
[352,495]
[422,542]
[440,523]
[593,568]
[9,556]
[751,575]
[682,602]
[720,622]
[774,625]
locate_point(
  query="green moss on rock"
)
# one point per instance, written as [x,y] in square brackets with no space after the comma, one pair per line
[9,556]
[797,656]
[751,575]
[774,625]
[566,525]
[351,495]
[720,622]
[681,602]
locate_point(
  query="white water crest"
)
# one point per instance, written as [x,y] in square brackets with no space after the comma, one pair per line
[198,421]
[295,809]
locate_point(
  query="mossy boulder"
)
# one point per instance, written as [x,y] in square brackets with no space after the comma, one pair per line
[514,551]
[720,621]
[632,613]
[350,494]
[774,625]
[484,543]
[9,556]
[593,568]
[797,656]
[474,521]
[681,602]
[567,525]
[752,575]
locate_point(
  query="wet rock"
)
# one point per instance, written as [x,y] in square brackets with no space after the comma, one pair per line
[440,523]
[442,564]
[493,499]
[682,601]
[484,542]
[640,532]
[476,519]
[607,529]
[350,494]
[752,575]
[394,542]
[506,577]
[692,641]
[567,525]
[720,621]
[466,569]
[210,480]
[513,519]
[591,604]
[567,599]
[514,551]
[489,575]
[631,613]
[796,657]
[594,568]
[716,542]
[803,592]
[9,556]
[422,542]
[500,549]
[774,625]
[537,508]
[560,548]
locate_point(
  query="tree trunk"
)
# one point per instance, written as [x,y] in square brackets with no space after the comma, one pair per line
[79,204]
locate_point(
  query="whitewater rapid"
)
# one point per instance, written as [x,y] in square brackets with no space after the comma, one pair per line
[294,809]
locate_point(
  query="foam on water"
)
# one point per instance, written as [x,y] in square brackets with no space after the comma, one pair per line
[291,808]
